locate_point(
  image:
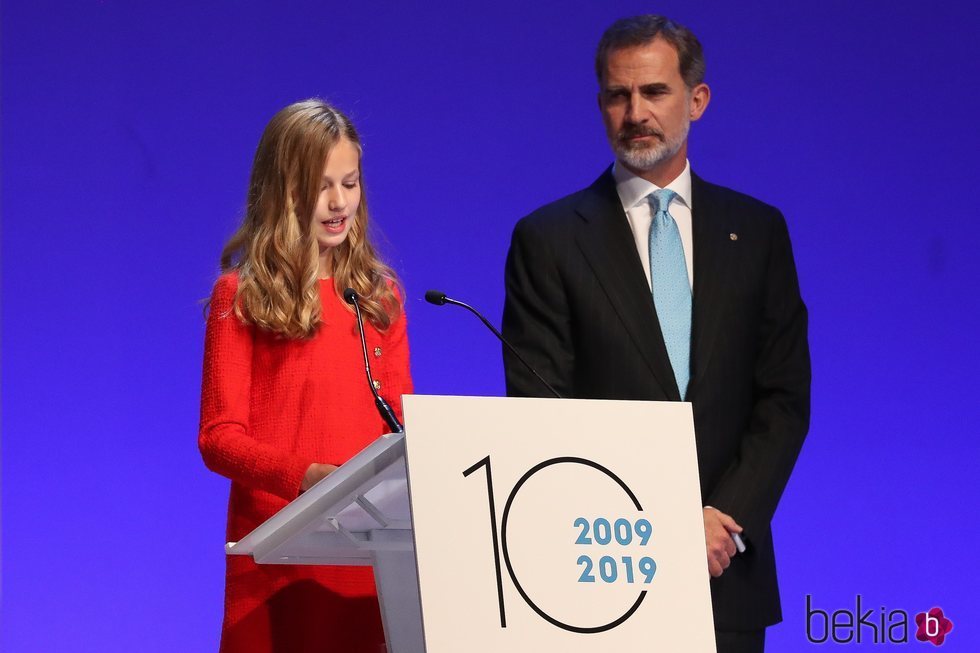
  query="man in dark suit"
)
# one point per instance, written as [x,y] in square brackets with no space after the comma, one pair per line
[652,284]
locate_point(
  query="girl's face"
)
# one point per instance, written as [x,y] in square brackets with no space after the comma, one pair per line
[340,195]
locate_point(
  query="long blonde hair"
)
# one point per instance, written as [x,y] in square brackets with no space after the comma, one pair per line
[275,250]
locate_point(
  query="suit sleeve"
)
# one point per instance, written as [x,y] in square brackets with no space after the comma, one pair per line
[751,487]
[224,439]
[536,317]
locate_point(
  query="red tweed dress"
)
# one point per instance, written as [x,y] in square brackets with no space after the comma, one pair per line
[269,408]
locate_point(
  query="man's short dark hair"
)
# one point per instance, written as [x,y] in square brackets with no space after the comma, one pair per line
[641,30]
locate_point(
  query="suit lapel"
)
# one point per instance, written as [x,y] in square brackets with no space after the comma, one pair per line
[712,250]
[608,246]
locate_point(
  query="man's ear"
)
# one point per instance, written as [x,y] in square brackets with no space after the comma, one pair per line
[700,96]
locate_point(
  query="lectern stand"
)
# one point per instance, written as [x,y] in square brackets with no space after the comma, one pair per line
[358,515]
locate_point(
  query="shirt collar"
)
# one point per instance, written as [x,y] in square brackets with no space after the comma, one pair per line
[632,189]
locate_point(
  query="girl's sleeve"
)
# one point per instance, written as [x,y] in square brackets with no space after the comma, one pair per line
[224,439]
[399,381]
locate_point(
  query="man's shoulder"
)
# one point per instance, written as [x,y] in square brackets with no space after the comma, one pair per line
[555,214]
[565,211]
[731,201]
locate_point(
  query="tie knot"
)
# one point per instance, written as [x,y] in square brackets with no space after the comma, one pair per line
[660,200]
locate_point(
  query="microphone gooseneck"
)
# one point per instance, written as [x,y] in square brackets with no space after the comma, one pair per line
[387,414]
[439,299]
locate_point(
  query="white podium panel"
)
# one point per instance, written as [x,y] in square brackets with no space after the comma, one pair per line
[566,525]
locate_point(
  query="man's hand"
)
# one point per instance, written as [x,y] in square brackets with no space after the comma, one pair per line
[718,529]
[315,473]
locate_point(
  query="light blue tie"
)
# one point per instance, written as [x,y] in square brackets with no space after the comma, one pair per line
[671,287]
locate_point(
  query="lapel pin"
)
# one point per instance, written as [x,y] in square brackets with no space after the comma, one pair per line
[733,236]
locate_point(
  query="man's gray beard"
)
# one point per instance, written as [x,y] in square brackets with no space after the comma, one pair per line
[648,158]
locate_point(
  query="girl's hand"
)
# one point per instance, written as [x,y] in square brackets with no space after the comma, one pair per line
[315,473]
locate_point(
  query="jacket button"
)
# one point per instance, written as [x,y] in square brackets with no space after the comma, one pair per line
[377,352]
[377,384]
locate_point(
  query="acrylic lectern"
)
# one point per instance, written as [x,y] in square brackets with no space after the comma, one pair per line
[358,515]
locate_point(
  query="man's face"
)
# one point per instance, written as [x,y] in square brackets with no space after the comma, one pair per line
[646,107]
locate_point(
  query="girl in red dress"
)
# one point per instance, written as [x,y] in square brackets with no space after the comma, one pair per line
[284,399]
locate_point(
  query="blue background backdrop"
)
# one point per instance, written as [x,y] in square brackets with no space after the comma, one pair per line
[128,131]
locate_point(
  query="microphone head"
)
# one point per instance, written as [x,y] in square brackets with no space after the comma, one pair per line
[350,296]
[435,297]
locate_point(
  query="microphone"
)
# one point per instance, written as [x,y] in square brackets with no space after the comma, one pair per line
[439,299]
[387,414]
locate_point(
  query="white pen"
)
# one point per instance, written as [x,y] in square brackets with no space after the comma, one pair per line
[739,544]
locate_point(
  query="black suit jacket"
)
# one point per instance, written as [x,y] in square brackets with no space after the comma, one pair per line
[579,309]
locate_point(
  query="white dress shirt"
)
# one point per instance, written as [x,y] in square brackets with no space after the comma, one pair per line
[633,192]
